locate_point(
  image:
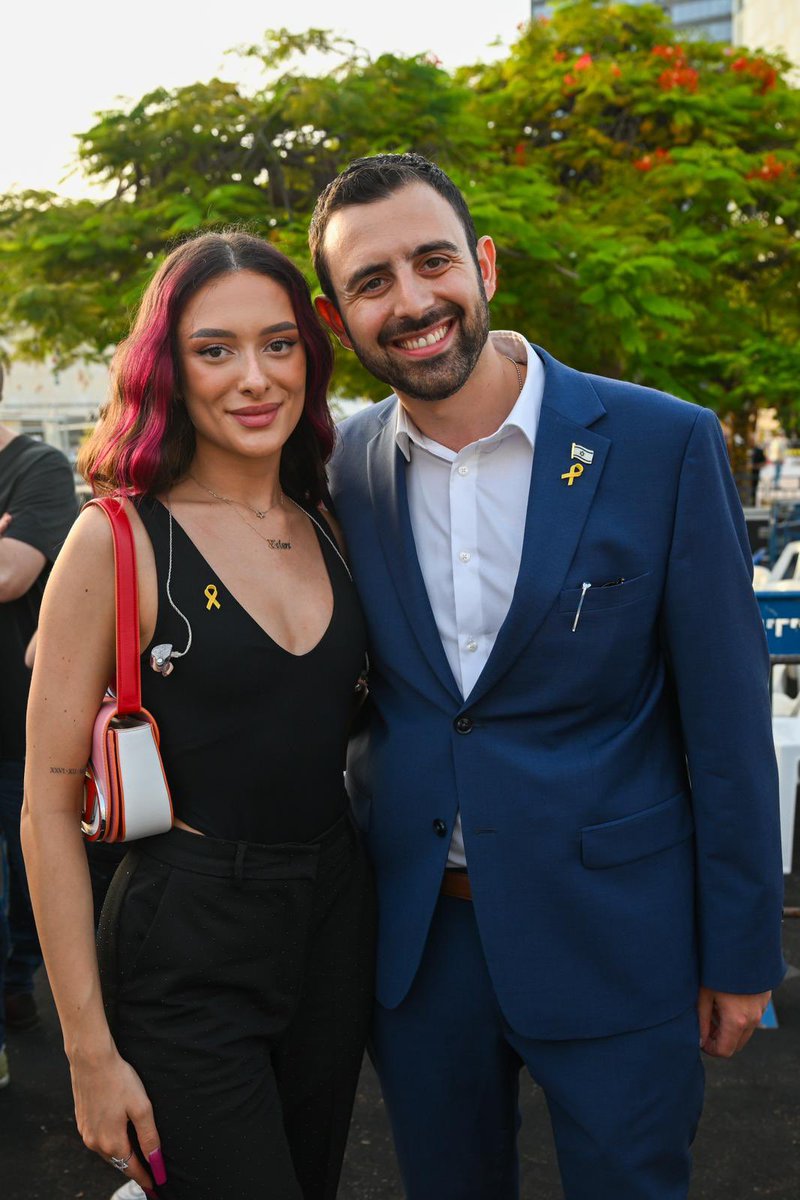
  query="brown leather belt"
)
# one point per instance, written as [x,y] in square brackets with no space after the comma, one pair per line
[456,883]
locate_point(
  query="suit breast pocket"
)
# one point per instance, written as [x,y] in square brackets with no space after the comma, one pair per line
[603,597]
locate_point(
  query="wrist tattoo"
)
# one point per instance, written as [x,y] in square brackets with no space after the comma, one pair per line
[67,770]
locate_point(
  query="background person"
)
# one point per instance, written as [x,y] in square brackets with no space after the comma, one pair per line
[236,950]
[569,784]
[38,506]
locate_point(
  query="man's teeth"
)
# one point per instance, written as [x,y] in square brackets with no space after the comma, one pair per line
[428,340]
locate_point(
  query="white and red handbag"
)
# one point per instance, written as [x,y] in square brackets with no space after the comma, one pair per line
[126,794]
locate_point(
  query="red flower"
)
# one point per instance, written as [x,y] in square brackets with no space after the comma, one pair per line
[760,70]
[771,168]
[569,80]
[648,161]
[668,52]
[559,55]
[519,154]
[679,77]
[584,62]
[615,70]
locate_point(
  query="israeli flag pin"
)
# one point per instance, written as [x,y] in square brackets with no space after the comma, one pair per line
[580,452]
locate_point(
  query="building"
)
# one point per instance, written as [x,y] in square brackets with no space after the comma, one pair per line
[56,407]
[711,19]
[772,25]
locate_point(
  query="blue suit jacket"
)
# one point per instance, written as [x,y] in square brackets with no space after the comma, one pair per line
[616,784]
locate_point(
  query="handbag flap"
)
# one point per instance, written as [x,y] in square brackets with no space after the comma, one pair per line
[139,773]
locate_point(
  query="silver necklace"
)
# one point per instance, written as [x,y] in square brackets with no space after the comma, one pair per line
[276,544]
[258,512]
[515,365]
[273,543]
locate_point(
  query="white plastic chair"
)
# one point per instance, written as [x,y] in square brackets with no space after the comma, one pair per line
[786,735]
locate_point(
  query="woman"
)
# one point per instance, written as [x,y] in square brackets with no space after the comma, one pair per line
[236,950]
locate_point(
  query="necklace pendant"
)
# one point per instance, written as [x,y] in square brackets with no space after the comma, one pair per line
[260,515]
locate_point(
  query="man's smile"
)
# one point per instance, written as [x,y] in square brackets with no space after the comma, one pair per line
[422,341]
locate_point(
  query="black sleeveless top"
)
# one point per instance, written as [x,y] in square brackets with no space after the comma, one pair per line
[253,738]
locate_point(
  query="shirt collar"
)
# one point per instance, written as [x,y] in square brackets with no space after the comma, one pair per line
[524,416]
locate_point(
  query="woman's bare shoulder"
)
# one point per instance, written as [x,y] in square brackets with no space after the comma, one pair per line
[91,533]
[89,540]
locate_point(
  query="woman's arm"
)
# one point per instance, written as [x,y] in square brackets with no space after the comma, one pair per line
[74,661]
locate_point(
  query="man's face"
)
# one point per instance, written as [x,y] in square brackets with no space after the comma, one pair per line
[412,303]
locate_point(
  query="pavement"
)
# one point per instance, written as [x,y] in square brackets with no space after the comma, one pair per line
[748,1145]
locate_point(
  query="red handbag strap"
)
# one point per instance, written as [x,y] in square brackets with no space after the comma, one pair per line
[128,685]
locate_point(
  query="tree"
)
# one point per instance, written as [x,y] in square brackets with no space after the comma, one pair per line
[644,194]
[677,174]
[204,157]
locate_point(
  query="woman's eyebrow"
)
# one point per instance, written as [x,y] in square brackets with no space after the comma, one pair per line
[281,327]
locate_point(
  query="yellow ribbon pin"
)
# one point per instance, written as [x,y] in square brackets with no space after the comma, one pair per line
[575,472]
[211,595]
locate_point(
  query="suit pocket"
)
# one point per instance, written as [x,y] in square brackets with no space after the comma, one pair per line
[604,599]
[616,842]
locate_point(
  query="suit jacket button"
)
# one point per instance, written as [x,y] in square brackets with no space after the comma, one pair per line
[463,724]
[440,827]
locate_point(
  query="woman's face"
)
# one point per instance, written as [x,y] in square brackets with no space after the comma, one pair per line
[243,365]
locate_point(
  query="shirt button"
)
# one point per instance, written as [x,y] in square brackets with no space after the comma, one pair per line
[463,724]
[440,827]
[465,556]
[463,470]
[472,644]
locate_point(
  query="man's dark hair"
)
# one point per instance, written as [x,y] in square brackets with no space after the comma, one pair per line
[376,178]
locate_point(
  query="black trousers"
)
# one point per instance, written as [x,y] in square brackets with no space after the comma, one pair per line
[238,982]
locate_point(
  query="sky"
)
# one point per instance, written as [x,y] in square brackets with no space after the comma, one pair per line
[62,63]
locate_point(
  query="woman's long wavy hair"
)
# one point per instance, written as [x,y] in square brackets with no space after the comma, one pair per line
[144,440]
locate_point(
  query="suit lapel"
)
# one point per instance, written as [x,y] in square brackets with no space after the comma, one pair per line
[387,484]
[556,511]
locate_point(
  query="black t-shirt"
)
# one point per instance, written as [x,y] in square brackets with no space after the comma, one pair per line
[37,488]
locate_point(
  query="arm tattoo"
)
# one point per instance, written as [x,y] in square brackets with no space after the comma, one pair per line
[67,770]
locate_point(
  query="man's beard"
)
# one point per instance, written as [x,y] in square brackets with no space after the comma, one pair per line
[430,378]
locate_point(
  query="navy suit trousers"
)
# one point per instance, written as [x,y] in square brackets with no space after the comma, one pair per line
[624,1109]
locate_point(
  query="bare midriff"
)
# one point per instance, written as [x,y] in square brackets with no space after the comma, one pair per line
[188,828]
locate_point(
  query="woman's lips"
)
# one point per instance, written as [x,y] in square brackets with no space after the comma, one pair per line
[258,417]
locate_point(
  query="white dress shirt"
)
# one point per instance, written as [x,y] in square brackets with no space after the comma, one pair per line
[468,514]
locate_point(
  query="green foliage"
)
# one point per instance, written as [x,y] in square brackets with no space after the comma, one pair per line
[644,195]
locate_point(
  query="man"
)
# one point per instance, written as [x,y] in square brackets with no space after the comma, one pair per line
[37,503]
[568,786]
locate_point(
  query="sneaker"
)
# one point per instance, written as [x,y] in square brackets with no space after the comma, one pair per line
[129,1191]
[21,1011]
[5,1078]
